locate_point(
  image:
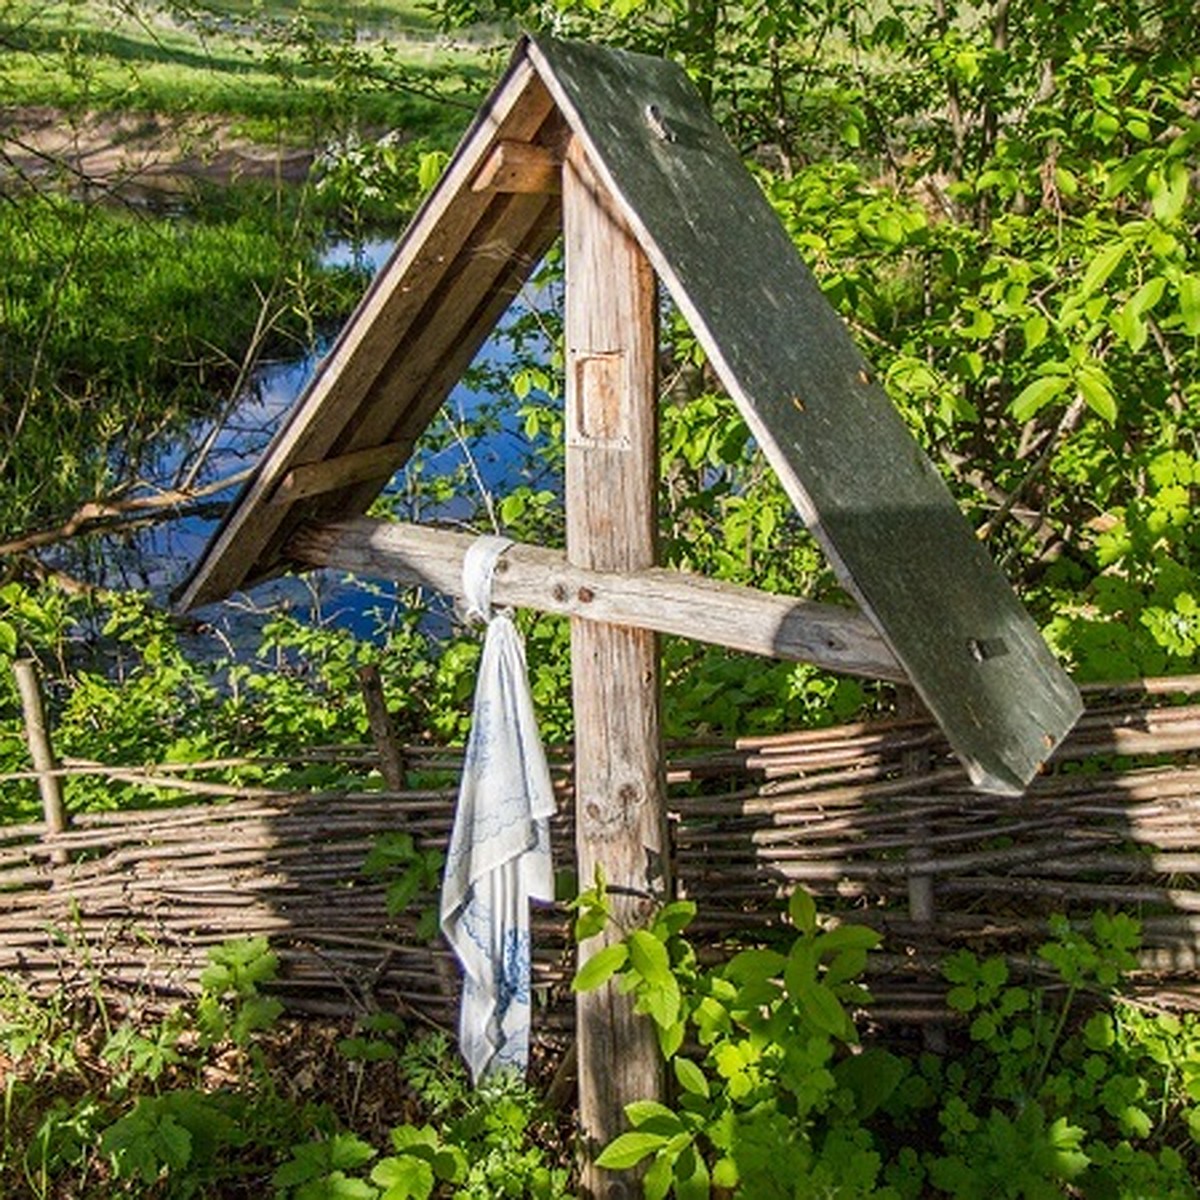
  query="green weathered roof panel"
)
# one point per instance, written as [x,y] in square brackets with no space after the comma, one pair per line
[854,471]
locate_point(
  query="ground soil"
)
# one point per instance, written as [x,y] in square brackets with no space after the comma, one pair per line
[136,156]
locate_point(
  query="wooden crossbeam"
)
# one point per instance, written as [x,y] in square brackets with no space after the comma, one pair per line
[520,167]
[327,475]
[658,598]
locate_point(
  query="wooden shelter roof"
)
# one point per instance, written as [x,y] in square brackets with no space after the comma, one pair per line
[848,463]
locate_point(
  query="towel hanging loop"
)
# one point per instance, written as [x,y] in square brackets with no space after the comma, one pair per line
[479,572]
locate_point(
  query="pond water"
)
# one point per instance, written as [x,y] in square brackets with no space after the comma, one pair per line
[157,559]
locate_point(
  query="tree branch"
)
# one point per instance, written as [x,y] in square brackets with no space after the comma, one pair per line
[109,513]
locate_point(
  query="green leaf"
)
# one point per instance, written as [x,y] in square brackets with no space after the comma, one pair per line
[1129,327]
[754,966]
[590,921]
[846,965]
[1168,196]
[690,1077]
[347,1151]
[872,1076]
[1066,1139]
[429,168]
[712,1020]
[961,967]
[725,1174]
[175,1143]
[640,1113]
[388,852]
[825,1010]
[336,1186]
[629,1149]
[409,1137]
[403,891]
[661,1001]
[1035,330]
[1098,1032]
[847,937]
[450,1164]
[670,1038]
[802,909]
[254,1014]
[889,229]
[1094,387]
[801,969]
[600,967]
[993,972]
[512,507]
[1189,304]
[674,918]
[360,1049]
[656,1183]
[1148,295]
[1036,395]
[648,956]
[404,1177]
[983,1028]
[1101,267]
[691,1176]
[962,998]
[1135,1122]
[1067,181]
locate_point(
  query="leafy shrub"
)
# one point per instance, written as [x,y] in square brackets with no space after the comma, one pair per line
[479,1144]
[1062,1088]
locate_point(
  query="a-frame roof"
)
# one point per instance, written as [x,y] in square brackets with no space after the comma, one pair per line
[848,463]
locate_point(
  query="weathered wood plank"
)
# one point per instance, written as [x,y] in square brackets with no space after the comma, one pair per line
[390,308]
[326,475]
[885,518]
[611,336]
[664,600]
[520,167]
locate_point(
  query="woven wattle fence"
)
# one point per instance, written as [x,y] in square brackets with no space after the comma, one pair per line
[876,819]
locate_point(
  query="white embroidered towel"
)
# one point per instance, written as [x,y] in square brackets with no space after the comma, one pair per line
[499,855]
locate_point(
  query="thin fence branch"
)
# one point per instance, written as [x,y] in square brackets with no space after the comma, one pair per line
[867,817]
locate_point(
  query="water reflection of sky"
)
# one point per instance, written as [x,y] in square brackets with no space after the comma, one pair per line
[156,559]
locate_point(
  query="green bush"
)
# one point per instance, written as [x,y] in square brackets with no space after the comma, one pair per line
[1061,1088]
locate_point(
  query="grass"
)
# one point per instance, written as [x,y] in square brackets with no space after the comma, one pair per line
[108,366]
[264,67]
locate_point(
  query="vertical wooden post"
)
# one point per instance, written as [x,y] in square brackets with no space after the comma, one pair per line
[611,489]
[41,751]
[383,734]
[920,887]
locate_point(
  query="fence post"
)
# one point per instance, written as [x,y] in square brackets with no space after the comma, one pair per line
[383,734]
[921,907]
[41,751]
